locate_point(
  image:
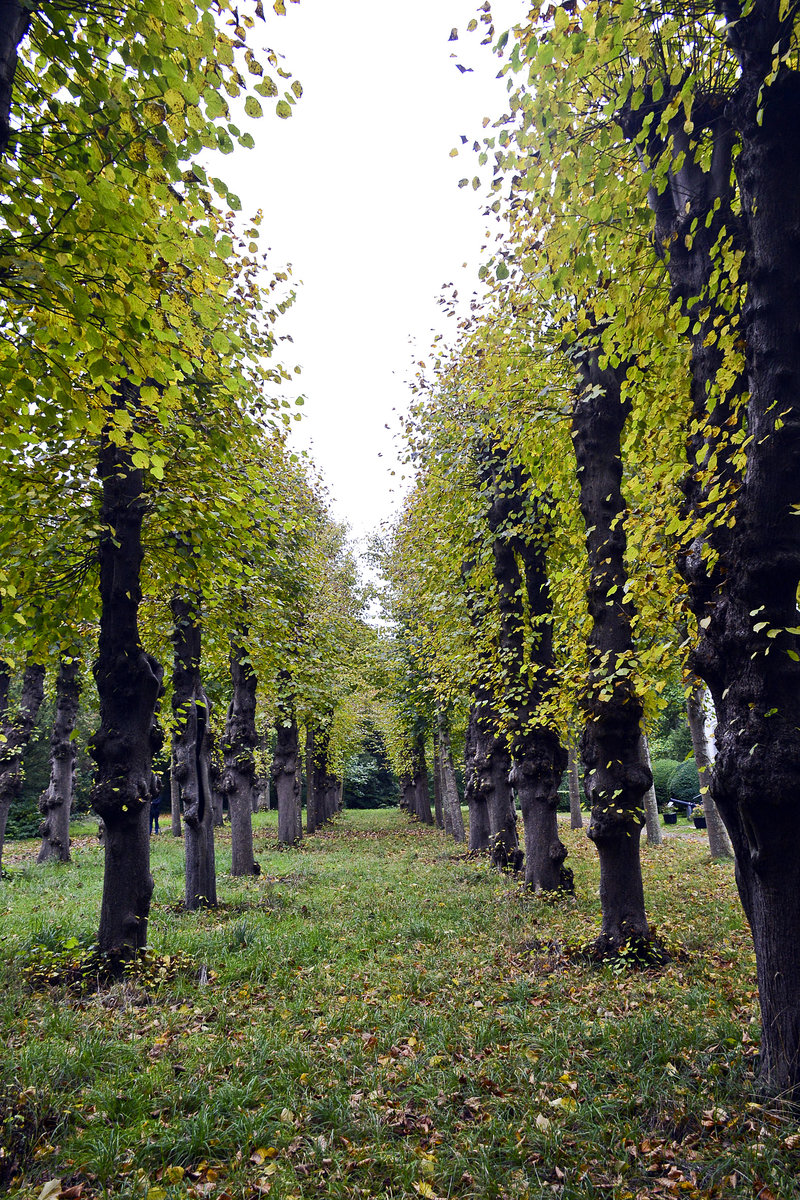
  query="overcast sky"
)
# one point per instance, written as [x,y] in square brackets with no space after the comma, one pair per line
[361,195]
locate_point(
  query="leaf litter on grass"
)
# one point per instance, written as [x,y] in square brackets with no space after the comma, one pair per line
[405,1036]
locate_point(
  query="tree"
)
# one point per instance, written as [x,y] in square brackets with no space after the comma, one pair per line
[129,683]
[238,745]
[517,522]
[191,756]
[17,728]
[56,801]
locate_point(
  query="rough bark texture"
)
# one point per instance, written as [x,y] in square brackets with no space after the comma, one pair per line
[128,686]
[652,822]
[746,602]
[313,818]
[55,803]
[192,755]
[215,771]
[520,571]
[174,799]
[16,735]
[238,747]
[15,19]
[422,801]
[473,794]
[438,811]
[408,796]
[286,774]
[615,780]
[719,843]
[574,784]
[453,821]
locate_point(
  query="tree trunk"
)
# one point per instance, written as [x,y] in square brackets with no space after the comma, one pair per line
[476,800]
[15,19]
[422,800]
[574,784]
[285,774]
[454,822]
[128,686]
[174,797]
[652,822]
[719,843]
[238,747]
[748,651]
[215,772]
[313,818]
[519,551]
[192,752]
[408,795]
[437,787]
[15,737]
[615,779]
[55,803]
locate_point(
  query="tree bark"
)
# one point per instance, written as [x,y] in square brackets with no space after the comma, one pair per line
[312,782]
[719,843]
[574,783]
[238,747]
[615,779]
[652,822]
[192,752]
[174,798]
[55,803]
[285,774]
[15,19]
[519,550]
[128,686]
[215,771]
[422,800]
[438,811]
[476,800]
[16,735]
[453,821]
[408,799]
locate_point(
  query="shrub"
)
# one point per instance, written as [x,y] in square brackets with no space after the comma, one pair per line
[663,770]
[684,782]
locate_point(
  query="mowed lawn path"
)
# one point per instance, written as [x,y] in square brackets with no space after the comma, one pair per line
[378,1015]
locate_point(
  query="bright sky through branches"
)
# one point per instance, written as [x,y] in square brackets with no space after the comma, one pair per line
[361,195]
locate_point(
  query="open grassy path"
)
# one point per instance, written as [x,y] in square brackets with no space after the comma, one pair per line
[383,1017]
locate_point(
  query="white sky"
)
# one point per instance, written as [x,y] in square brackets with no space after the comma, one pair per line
[361,196]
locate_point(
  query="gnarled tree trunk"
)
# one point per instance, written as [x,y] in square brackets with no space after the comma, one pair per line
[652,823]
[55,803]
[438,811]
[192,751]
[422,800]
[15,19]
[718,841]
[519,550]
[238,747]
[286,774]
[174,798]
[615,779]
[453,821]
[574,784]
[128,686]
[16,735]
[473,794]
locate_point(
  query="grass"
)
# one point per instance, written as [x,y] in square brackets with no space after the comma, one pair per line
[384,1017]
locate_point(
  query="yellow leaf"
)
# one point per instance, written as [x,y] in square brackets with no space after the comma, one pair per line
[50,1189]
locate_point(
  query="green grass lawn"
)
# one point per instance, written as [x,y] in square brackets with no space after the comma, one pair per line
[383,1017]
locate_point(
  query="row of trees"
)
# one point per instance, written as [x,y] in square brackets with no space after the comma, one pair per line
[609,461]
[152,510]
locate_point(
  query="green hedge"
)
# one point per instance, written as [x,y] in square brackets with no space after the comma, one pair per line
[684,783]
[663,770]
